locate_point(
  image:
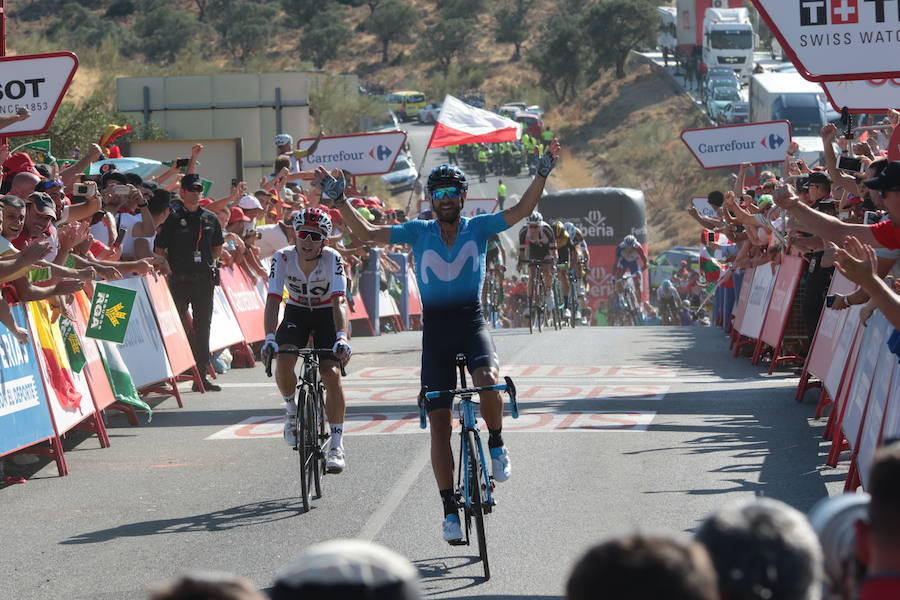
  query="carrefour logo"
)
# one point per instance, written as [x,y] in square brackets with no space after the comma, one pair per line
[380,152]
[844,12]
[774,141]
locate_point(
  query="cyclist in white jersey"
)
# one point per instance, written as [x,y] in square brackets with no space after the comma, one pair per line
[316,305]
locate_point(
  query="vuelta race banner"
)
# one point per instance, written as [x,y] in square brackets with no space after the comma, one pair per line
[731,145]
[111,309]
[864,96]
[24,417]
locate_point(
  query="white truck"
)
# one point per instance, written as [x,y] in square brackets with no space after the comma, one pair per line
[729,40]
[790,97]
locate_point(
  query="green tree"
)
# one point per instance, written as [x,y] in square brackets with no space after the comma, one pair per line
[301,12]
[445,40]
[325,35]
[461,9]
[244,27]
[78,26]
[616,27]
[391,21]
[511,27]
[163,32]
[558,55]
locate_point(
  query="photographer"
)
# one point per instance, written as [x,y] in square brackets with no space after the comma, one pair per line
[191,239]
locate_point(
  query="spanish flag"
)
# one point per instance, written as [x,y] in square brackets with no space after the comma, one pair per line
[110,134]
[51,342]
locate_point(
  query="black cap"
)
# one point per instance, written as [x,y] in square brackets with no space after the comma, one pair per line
[42,203]
[112,177]
[160,199]
[820,177]
[887,180]
[134,179]
[191,182]
[803,184]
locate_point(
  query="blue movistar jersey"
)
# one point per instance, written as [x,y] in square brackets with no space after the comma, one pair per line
[449,277]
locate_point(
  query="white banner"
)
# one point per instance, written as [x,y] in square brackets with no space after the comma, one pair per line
[729,146]
[831,40]
[143,349]
[758,301]
[224,330]
[865,96]
[360,154]
[704,207]
[36,82]
[842,349]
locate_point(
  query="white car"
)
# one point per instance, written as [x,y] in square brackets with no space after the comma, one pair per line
[430,113]
[403,176]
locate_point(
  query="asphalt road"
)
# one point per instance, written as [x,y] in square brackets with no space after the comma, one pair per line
[622,428]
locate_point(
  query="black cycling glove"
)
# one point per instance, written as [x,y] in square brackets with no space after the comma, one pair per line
[545,164]
[333,189]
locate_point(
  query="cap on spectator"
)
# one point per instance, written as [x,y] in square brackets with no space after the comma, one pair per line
[259,193]
[348,569]
[42,203]
[819,177]
[204,202]
[160,199]
[764,200]
[19,162]
[237,215]
[134,179]
[336,216]
[287,194]
[769,183]
[191,182]
[887,180]
[853,200]
[112,177]
[366,213]
[803,184]
[249,203]
[357,202]
[150,185]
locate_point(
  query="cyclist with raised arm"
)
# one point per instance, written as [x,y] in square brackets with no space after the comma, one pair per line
[316,283]
[631,258]
[449,262]
[537,242]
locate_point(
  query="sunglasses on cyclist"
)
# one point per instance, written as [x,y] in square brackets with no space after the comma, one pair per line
[310,235]
[446,192]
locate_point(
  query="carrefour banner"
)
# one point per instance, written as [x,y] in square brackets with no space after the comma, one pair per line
[731,145]
[24,417]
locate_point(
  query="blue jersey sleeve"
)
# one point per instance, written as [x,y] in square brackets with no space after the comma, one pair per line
[407,233]
[487,225]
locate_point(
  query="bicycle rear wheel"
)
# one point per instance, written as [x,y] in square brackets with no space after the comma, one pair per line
[305,444]
[476,480]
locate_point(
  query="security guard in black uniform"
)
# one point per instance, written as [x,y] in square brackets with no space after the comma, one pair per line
[191,239]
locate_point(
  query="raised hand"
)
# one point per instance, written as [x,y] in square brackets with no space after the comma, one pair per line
[856,261]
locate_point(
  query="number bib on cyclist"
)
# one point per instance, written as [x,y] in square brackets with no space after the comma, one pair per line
[316,291]
[449,277]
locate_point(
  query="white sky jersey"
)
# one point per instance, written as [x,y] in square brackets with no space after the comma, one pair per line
[542,235]
[323,284]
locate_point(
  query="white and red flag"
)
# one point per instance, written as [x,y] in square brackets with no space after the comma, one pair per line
[459,123]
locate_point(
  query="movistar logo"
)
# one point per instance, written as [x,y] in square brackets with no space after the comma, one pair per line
[432,261]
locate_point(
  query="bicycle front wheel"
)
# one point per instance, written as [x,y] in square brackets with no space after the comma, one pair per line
[476,481]
[318,460]
[305,444]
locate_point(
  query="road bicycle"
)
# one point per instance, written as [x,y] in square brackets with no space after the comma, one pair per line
[537,296]
[310,430]
[494,294]
[557,302]
[474,486]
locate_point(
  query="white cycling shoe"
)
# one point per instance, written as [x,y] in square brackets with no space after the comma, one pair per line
[334,460]
[567,314]
[290,436]
[500,467]
[452,530]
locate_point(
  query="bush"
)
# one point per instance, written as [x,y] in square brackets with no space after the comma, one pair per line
[324,38]
[245,27]
[164,32]
[338,113]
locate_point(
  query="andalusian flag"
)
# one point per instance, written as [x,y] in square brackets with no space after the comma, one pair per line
[51,343]
[119,378]
[41,149]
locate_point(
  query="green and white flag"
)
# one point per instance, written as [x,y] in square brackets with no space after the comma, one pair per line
[119,378]
[41,149]
[110,312]
[74,351]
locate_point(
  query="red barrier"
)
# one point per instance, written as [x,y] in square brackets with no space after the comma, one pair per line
[821,351]
[246,303]
[358,315]
[414,300]
[779,310]
[178,348]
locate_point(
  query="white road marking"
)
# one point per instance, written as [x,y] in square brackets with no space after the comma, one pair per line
[379,518]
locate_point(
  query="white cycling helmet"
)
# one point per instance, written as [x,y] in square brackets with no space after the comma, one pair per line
[666,284]
[534,218]
[284,139]
[312,218]
[630,241]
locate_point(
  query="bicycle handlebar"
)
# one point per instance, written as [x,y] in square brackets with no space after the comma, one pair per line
[509,387]
[301,352]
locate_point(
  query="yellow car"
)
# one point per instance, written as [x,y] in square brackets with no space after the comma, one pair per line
[406,104]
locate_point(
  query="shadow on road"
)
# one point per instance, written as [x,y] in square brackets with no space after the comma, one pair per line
[245,515]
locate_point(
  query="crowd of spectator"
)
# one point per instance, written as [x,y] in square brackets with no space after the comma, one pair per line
[831,215]
[848,548]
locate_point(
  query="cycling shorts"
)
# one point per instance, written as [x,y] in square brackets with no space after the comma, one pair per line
[536,252]
[298,323]
[563,252]
[445,334]
[629,266]
[493,257]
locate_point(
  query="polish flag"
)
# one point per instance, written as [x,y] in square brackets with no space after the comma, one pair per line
[459,123]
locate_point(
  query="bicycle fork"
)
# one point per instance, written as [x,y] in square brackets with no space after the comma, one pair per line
[468,422]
